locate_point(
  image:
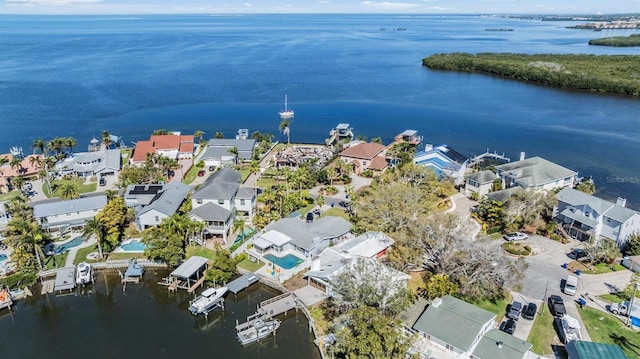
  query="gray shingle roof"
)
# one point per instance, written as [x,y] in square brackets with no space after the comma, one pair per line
[241,145]
[512,347]
[189,267]
[211,212]
[454,321]
[58,207]
[535,171]
[169,200]
[505,194]
[303,234]
[483,176]
[602,207]
[94,161]
[246,192]
[216,153]
[222,184]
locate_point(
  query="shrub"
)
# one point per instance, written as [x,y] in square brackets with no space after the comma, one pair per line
[494,229]
[367,173]
[200,164]
[241,257]
[19,279]
[518,249]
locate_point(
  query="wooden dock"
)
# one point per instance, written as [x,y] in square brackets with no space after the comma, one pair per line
[278,305]
[196,284]
[47,286]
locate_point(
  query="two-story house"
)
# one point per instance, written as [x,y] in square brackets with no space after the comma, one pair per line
[583,215]
[536,173]
[163,205]
[365,156]
[219,151]
[219,200]
[175,146]
[59,215]
[444,161]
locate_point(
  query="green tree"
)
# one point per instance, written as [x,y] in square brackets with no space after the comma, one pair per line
[632,246]
[285,128]
[68,190]
[234,151]
[38,145]
[588,187]
[106,139]
[218,135]
[160,132]
[112,217]
[439,285]
[95,228]
[198,134]
[222,267]
[254,167]
[370,334]
[320,201]
[163,244]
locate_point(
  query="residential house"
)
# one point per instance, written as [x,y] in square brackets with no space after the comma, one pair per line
[579,349]
[27,168]
[307,238]
[536,174]
[365,156]
[496,344]
[163,205]
[583,215]
[444,161]
[174,146]
[331,261]
[60,215]
[219,199]
[92,164]
[454,325]
[217,153]
[480,183]
[140,195]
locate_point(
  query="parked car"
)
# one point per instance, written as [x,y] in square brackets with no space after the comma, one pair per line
[508,326]
[309,217]
[577,253]
[28,186]
[514,310]
[515,236]
[201,173]
[529,311]
[103,181]
[556,306]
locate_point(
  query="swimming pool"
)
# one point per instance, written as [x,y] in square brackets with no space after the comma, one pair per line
[65,247]
[3,257]
[287,262]
[134,245]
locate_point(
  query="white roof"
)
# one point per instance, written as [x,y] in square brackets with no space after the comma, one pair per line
[276,238]
[367,245]
[261,243]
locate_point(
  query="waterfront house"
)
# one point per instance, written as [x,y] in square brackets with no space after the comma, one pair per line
[163,205]
[217,153]
[580,349]
[444,161]
[61,215]
[453,325]
[27,168]
[174,146]
[92,164]
[583,215]
[365,156]
[219,200]
[307,238]
[480,183]
[536,174]
[140,195]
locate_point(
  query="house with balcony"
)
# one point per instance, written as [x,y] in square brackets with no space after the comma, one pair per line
[444,161]
[60,215]
[365,156]
[537,174]
[219,200]
[584,216]
[163,205]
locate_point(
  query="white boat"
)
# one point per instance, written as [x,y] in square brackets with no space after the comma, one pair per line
[207,301]
[287,112]
[259,329]
[84,273]
[571,328]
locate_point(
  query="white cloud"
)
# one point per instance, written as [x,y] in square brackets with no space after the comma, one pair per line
[51,2]
[248,4]
[389,5]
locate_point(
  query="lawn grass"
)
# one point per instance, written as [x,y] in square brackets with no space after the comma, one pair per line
[601,268]
[191,174]
[81,255]
[50,263]
[267,182]
[543,334]
[200,251]
[416,281]
[81,185]
[337,212]
[607,328]
[9,196]
[499,307]
[247,264]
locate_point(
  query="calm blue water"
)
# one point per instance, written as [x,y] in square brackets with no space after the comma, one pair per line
[66,246]
[75,76]
[133,246]
[287,262]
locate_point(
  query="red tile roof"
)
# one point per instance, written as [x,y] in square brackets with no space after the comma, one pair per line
[379,163]
[364,151]
[186,147]
[166,142]
[27,168]
[186,138]
[141,150]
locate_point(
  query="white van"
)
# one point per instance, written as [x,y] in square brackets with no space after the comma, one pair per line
[571,285]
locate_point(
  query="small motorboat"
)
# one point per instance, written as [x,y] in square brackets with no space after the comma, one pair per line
[259,329]
[207,301]
[84,273]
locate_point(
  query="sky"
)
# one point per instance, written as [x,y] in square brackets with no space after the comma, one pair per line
[587,7]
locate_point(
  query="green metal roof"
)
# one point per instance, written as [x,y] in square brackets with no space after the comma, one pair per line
[496,344]
[591,350]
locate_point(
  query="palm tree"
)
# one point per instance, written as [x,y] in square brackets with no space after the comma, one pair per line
[70,143]
[160,132]
[234,151]
[94,227]
[3,161]
[218,135]
[198,134]
[106,139]
[238,226]
[254,167]
[284,127]
[17,182]
[38,145]
[16,163]
[68,190]
[320,201]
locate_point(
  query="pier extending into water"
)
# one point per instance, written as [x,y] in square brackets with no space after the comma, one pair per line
[270,308]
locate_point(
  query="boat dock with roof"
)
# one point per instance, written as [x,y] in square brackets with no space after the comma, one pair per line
[65,279]
[189,275]
[242,282]
[254,327]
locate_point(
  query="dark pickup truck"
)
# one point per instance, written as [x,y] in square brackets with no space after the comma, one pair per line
[556,306]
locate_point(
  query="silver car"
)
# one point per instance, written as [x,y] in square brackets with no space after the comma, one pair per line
[516,236]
